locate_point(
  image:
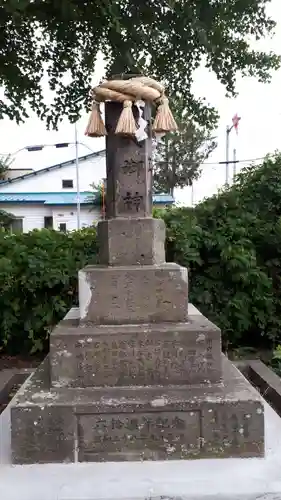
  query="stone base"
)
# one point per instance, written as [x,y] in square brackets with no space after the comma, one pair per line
[211,479]
[127,242]
[133,294]
[125,355]
[130,424]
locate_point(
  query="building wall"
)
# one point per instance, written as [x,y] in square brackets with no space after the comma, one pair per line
[91,170]
[33,215]
[68,215]
[16,172]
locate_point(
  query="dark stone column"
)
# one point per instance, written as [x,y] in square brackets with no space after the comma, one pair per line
[128,168]
[129,235]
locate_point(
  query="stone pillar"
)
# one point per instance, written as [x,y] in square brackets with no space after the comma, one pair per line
[134,284]
[128,169]
[129,235]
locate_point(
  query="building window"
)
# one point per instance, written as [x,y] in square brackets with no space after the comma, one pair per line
[62,227]
[48,222]
[16,226]
[67,183]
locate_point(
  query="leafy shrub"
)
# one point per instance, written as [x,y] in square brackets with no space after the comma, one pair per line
[226,281]
[38,283]
[276,360]
[231,244]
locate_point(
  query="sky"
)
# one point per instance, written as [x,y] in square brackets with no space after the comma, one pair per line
[258,105]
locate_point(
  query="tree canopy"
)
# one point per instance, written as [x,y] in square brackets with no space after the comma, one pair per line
[167,39]
[5,163]
[180,154]
[5,219]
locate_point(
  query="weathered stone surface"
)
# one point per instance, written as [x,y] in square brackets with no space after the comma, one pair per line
[9,378]
[155,423]
[174,432]
[128,169]
[126,242]
[266,381]
[127,355]
[133,294]
[39,428]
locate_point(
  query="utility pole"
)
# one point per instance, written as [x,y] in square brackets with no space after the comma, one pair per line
[234,163]
[235,122]
[192,194]
[228,130]
[77,178]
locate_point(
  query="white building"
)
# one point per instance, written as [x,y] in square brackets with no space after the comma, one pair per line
[48,197]
[58,178]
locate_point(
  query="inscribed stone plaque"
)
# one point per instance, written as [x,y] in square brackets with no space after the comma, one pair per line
[162,358]
[134,189]
[172,433]
[126,355]
[133,294]
[229,425]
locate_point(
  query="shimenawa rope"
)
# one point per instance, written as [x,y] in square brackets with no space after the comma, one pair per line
[129,92]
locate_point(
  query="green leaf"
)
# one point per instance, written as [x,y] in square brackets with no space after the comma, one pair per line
[60,42]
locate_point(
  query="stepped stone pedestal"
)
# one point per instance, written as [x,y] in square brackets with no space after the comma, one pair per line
[134,373]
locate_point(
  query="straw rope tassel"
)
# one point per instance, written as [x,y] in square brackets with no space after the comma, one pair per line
[128,92]
[95,127]
[126,124]
[164,120]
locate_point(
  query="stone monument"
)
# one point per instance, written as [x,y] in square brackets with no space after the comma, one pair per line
[134,373]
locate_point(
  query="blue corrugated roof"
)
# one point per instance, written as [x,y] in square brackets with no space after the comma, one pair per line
[163,198]
[66,198]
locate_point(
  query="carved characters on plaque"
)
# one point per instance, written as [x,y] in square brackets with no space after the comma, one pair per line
[113,430]
[132,201]
[147,359]
[134,190]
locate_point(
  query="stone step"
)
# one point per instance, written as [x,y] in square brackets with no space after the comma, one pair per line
[141,355]
[125,424]
[133,294]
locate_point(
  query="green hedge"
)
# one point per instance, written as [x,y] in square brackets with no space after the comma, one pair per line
[227,282]
[231,244]
[38,283]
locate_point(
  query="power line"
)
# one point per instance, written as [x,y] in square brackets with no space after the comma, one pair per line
[245,161]
[40,147]
[249,160]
